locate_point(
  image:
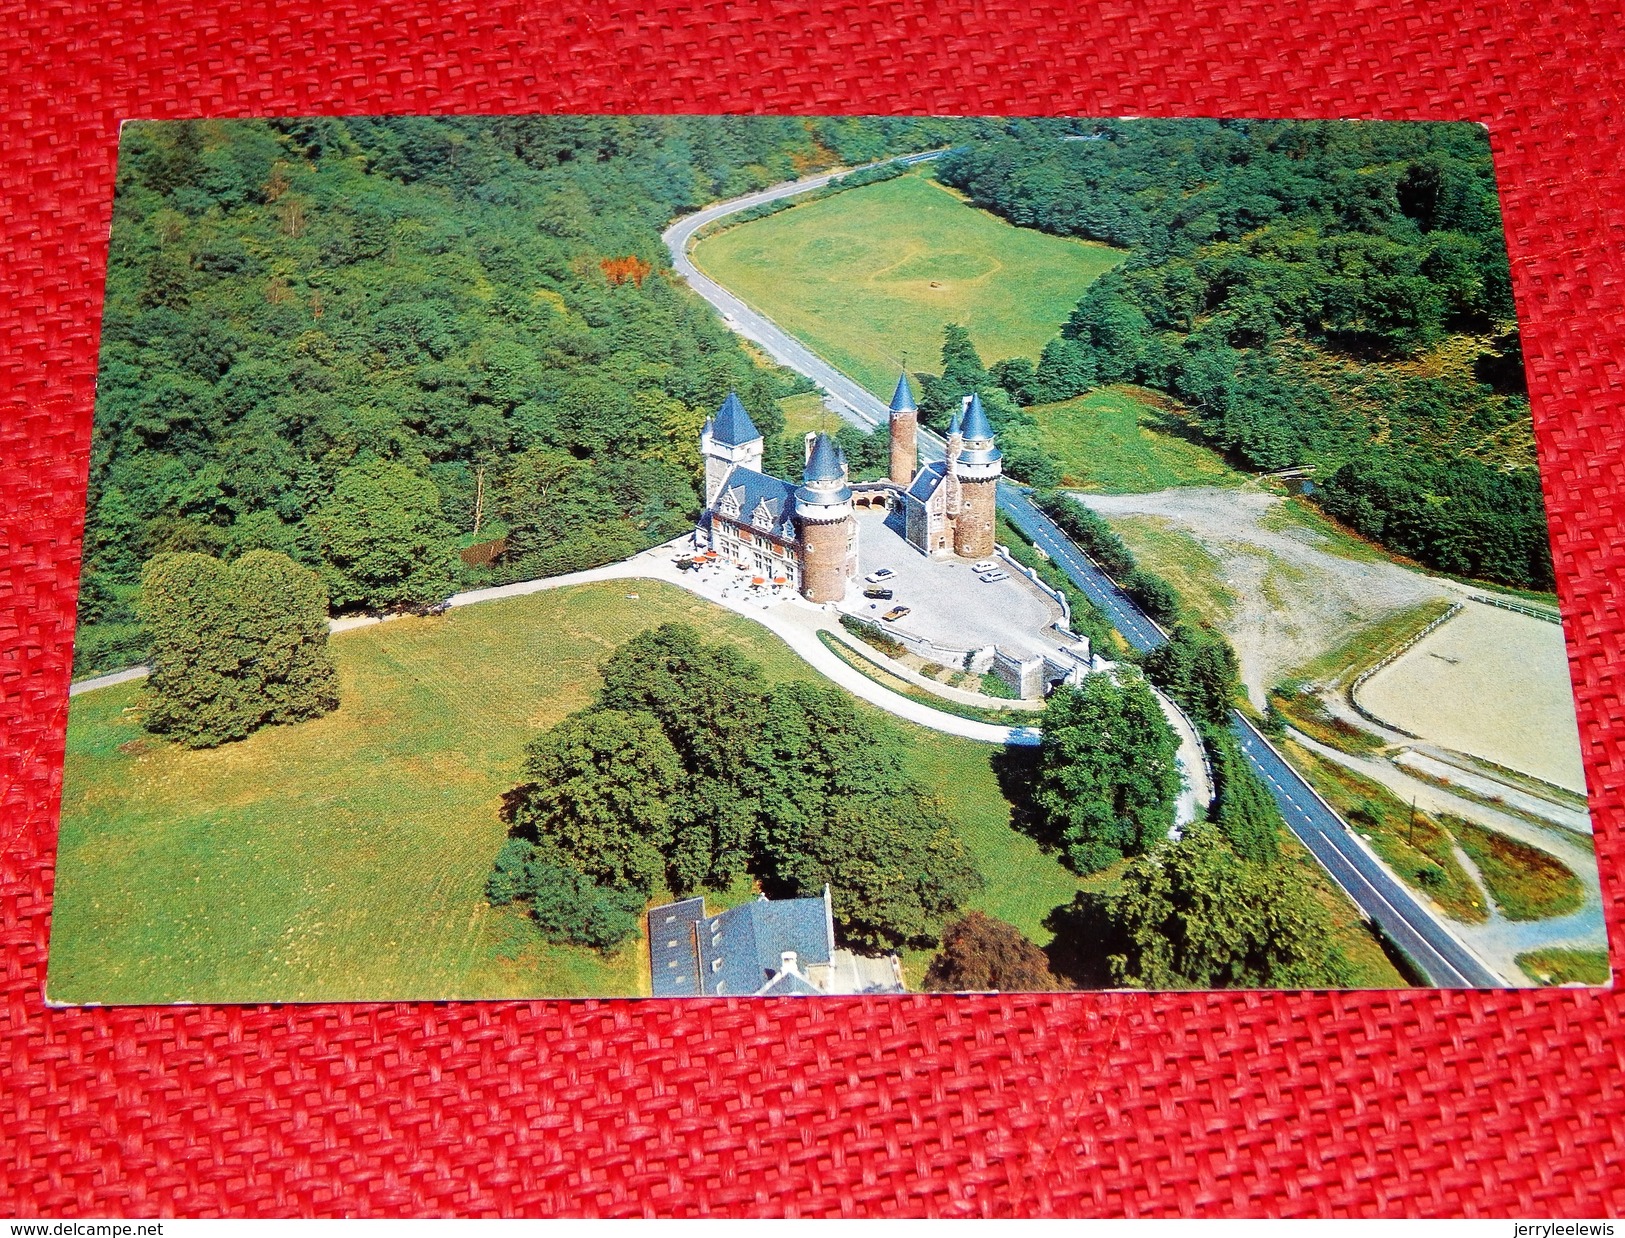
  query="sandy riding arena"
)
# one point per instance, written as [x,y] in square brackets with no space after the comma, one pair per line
[1491,683]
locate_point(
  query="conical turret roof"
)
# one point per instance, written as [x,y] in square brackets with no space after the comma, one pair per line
[957,424]
[733,426]
[976,425]
[823,462]
[902,400]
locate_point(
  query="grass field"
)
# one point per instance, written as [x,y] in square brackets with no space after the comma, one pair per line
[1525,882]
[1560,966]
[1159,545]
[1411,843]
[1370,643]
[345,858]
[993,715]
[1308,713]
[869,275]
[805,414]
[1119,440]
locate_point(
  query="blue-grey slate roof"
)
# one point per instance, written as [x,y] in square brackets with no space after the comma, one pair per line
[823,461]
[751,488]
[902,400]
[976,423]
[732,425]
[741,949]
[788,984]
[674,962]
[927,480]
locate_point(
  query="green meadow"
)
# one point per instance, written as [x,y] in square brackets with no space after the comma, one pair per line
[345,858]
[870,275]
[1119,440]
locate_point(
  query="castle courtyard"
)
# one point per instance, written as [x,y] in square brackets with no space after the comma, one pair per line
[948,605]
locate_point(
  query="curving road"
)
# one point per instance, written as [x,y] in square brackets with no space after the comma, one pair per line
[858,405]
[1443,959]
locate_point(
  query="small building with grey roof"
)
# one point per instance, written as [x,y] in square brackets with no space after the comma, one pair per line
[784,947]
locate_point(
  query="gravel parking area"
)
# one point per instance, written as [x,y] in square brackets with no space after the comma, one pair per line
[949,606]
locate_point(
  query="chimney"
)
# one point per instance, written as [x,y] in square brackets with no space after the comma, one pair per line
[787,962]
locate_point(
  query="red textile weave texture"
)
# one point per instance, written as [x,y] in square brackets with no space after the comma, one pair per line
[1422,1103]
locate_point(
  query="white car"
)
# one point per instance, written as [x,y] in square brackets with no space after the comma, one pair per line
[988,578]
[880,576]
[986,565]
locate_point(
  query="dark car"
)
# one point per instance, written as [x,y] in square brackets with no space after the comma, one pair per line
[878,595]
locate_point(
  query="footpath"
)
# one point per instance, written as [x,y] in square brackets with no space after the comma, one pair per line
[794,621]
[797,623]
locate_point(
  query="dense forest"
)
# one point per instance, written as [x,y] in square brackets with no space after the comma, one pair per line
[343,339]
[1328,294]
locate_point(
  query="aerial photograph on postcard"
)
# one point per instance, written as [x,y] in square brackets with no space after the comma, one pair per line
[678,557]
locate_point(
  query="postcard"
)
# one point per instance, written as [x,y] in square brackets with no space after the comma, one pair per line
[785,556]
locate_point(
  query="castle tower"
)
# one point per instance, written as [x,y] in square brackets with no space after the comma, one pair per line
[728,440]
[828,531]
[905,428]
[977,466]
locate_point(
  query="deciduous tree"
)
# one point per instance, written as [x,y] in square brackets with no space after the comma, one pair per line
[981,955]
[599,797]
[1108,771]
[1192,914]
[234,646]
[382,538]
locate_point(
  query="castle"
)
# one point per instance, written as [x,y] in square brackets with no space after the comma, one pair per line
[806,536]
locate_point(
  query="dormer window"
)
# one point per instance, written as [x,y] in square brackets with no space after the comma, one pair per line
[762,517]
[730,504]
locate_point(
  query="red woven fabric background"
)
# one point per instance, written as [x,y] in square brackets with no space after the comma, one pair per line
[1422,1103]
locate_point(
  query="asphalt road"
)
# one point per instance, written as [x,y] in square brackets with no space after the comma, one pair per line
[1444,960]
[1126,617]
[1448,964]
[858,405]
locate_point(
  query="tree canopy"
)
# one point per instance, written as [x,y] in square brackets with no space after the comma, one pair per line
[690,771]
[303,314]
[235,646]
[1192,914]
[1107,776]
[981,954]
[1333,294]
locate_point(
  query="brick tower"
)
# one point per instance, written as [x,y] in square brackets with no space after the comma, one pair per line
[905,427]
[728,439]
[828,532]
[977,468]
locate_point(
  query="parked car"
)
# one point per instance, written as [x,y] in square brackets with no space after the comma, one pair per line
[988,578]
[986,565]
[895,613]
[878,595]
[882,574]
